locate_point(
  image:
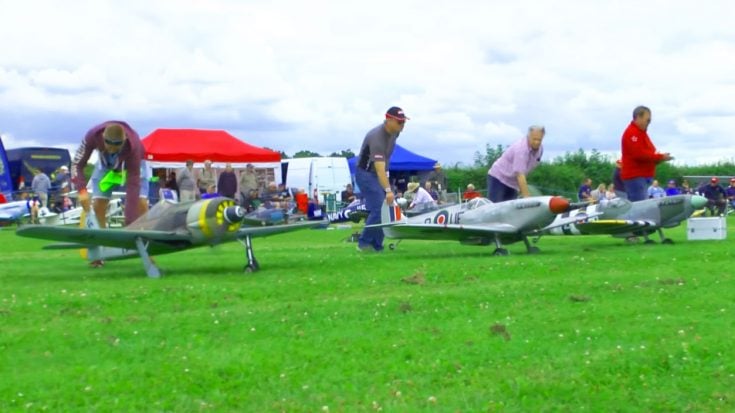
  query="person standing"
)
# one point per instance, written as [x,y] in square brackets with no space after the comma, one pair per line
[371,174]
[227,182]
[640,156]
[186,183]
[584,193]
[507,176]
[40,185]
[120,154]
[207,177]
[248,184]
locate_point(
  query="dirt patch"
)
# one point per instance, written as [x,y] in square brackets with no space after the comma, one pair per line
[501,330]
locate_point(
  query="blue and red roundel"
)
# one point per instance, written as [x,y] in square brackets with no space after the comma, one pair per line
[441,218]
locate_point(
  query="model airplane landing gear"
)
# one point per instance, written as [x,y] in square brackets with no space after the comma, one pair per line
[252,264]
[499,250]
[150,268]
[393,245]
[664,240]
[530,248]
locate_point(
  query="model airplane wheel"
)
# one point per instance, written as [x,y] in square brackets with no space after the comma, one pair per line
[649,242]
[533,250]
[668,241]
[392,246]
[500,252]
[249,269]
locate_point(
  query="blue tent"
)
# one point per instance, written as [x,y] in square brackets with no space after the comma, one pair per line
[6,185]
[402,160]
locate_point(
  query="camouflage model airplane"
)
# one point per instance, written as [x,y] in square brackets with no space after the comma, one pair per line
[621,218]
[480,222]
[167,227]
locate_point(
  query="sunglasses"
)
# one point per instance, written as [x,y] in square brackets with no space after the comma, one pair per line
[113,143]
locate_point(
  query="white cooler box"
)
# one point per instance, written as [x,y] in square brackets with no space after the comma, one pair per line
[706,228]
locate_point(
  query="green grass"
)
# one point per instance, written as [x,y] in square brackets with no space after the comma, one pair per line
[590,324]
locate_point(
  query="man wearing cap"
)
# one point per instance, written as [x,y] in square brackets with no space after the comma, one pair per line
[120,155]
[716,196]
[371,174]
[248,183]
[62,177]
[437,178]
[507,176]
[640,156]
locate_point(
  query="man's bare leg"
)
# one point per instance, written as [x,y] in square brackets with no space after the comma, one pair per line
[100,211]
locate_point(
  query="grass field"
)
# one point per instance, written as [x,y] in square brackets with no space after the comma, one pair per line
[590,324]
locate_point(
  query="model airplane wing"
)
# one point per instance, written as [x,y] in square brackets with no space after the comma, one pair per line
[615,226]
[90,237]
[275,229]
[445,232]
[578,219]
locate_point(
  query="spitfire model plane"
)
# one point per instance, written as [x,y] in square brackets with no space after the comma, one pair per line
[167,227]
[480,222]
[621,218]
[14,211]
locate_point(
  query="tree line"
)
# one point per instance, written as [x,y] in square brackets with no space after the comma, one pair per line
[564,174]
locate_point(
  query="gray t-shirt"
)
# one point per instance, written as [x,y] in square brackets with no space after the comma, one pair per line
[185,179]
[377,146]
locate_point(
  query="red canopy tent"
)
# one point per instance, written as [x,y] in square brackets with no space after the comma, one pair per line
[171,148]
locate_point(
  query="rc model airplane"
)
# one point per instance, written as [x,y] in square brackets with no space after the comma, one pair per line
[621,218]
[480,222]
[167,227]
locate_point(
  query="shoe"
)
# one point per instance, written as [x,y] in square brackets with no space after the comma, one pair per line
[365,248]
[97,264]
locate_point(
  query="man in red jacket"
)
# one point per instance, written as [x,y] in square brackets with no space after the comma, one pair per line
[639,156]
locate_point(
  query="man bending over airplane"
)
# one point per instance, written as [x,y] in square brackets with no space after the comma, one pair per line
[120,160]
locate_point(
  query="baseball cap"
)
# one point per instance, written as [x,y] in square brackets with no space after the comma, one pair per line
[396,113]
[714,180]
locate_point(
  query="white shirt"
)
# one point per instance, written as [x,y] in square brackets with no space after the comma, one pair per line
[423,199]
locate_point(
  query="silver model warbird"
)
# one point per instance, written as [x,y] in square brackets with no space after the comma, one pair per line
[621,218]
[167,227]
[480,222]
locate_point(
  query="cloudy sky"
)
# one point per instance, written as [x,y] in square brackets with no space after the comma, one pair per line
[317,75]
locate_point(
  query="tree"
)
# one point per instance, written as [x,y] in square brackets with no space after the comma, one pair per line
[283,154]
[489,157]
[345,153]
[306,154]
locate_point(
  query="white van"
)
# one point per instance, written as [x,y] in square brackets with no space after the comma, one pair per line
[325,174]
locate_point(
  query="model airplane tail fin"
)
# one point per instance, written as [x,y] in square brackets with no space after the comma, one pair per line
[392,214]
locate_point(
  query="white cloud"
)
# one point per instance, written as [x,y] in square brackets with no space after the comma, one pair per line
[317,75]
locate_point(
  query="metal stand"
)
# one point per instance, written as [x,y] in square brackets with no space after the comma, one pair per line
[150,268]
[252,264]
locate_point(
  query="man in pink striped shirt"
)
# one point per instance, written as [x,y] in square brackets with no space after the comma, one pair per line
[507,176]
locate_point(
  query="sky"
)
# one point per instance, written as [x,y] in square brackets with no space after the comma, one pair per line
[317,75]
